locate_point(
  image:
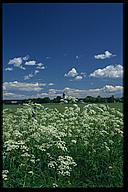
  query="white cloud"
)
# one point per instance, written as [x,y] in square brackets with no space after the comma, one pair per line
[36,71]
[23,86]
[40,64]
[48,57]
[52,93]
[83,74]
[38,67]
[21,67]
[42,95]
[14,95]
[79,77]
[8,69]
[16,61]
[4,88]
[50,84]
[110,71]
[29,76]
[112,89]
[30,62]
[8,94]
[71,73]
[105,91]
[75,75]
[26,58]
[106,55]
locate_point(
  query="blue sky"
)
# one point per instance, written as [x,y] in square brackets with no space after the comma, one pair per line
[73,47]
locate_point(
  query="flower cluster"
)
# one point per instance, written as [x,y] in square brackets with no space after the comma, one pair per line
[69,99]
[44,143]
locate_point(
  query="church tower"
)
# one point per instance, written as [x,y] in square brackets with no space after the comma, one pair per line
[63,95]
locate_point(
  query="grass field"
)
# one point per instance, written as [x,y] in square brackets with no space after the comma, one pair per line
[61,107]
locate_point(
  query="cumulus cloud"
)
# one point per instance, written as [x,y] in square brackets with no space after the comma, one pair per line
[16,61]
[79,77]
[30,62]
[83,74]
[21,67]
[110,71]
[48,57]
[14,95]
[71,73]
[15,85]
[8,69]
[112,89]
[4,88]
[7,94]
[50,84]
[29,76]
[10,95]
[42,95]
[40,66]
[105,55]
[36,71]
[74,75]
[105,91]
[26,58]
[52,93]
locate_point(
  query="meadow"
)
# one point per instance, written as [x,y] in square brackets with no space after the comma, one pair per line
[63,145]
[61,107]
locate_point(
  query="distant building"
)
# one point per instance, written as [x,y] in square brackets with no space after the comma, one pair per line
[14,102]
[64,95]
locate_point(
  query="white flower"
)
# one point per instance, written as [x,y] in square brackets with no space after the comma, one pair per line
[32,160]
[73,141]
[57,138]
[31,172]
[25,155]
[52,164]
[107,148]
[4,174]
[54,185]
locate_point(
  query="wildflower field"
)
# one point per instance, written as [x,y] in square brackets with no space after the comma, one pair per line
[73,147]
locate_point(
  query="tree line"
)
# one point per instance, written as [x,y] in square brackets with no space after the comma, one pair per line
[88,99]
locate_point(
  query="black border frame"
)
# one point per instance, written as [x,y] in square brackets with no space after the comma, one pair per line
[125,83]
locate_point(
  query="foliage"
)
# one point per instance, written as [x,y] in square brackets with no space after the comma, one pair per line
[43,147]
[69,99]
